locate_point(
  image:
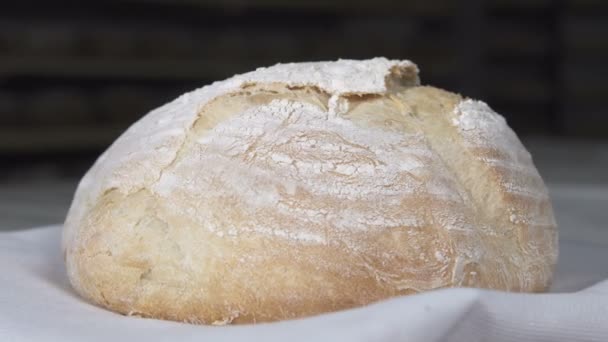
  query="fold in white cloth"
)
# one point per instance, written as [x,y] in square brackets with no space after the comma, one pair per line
[37,304]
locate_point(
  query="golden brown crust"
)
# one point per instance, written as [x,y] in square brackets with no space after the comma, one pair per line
[202,255]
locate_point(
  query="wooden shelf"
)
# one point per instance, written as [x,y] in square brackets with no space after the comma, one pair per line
[518,4]
[122,68]
[57,139]
[427,7]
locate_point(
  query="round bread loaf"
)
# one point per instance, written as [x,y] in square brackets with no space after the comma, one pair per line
[305,188]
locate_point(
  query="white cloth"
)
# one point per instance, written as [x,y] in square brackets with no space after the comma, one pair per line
[37,304]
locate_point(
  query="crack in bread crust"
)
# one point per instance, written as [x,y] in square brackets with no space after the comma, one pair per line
[492,202]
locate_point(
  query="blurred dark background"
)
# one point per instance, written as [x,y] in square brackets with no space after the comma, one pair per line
[74,75]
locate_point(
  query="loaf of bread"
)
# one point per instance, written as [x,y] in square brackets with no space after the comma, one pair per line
[306,188]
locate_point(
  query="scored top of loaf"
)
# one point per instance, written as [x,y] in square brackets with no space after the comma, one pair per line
[136,159]
[340,77]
